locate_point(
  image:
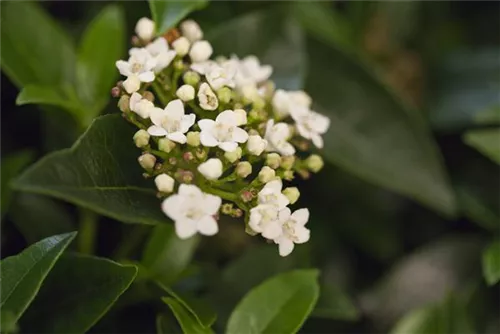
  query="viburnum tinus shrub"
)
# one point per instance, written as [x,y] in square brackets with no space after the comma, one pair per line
[217,137]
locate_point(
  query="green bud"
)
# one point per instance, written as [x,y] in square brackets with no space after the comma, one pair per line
[314,163]
[179,65]
[191,78]
[227,208]
[224,94]
[147,161]
[193,138]
[166,145]
[243,169]
[292,193]
[233,156]
[141,138]
[200,153]
[259,103]
[273,160]
[124,103]
[287,162]
[266,174]
[288,175]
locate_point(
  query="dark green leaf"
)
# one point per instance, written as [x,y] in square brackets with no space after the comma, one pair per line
[168,14]
[102,44]
[23,274]
[11,166]
[333,303]
[164,325]
[279,305]
[77,293]
[476,209]
[374,136]
[35,50]
[274,38]
[55,96]
[186,320]
[99,172]
[491,263]
[7,322]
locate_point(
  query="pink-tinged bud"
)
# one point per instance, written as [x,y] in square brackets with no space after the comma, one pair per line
[187,177]
[172,161]
[188,156]
[148,96]
[116,91]
[237,213]
[247,196]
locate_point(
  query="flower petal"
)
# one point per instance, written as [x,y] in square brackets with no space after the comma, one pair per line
[302,234]
[123,67]
[317,140]
[206,124]
[207,139]
[155,130]
[185,228]
[212,204]
[207,226]
[148,76]
[285,246]
[172,207]
[239,135]
[227,117]
[178,137]
[175,109]
[284,215]
[157,115]
[272,230]
[228,146]
[301,216]
[134,99]
[187,121]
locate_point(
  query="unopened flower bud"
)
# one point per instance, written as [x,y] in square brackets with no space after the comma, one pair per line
[314,163]
[256,145]
[287,162]
[147,161]
[145,29]
[208,100]
[193,138]
[191,78]
[172,161]
[185,93]
[187,176]
[181,46]
[292,193]
[187,156]
[166,145]
[247,196]
[179,65]
[191,30]
[200,51]
[211,169]
[148,96]
[259,103]
[224,94]
[241,116]
[266,174]
[304,174]
[201,154]
[234,155]
[237,213]
[226,208]
[123,103]
[164,183]
[243,169]
[141,138]
[132,84]
[288,175]
[115,91]
[273,160]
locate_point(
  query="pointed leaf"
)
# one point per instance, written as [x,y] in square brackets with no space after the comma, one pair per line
[11,166]
[485,141]
[47,95]
[186,320]
[168,14]
[491,263]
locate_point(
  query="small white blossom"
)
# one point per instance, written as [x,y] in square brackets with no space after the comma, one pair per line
[140,106]
[219,76]
[191,30]
[211,169]
[160,51]
[264,219]
[192,211]
[271,194]
[185,93]
[171,122]
[200,51]
[181,46]
[164,183]
[293,230]
[277,138]
[138,68]
[250,71]
[145,29]
[223,132]
[241,116]
[283,101]
[310,124]
[256,145]
[206,96]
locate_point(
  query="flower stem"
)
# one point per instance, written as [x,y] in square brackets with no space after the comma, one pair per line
[87,231]
[160,93]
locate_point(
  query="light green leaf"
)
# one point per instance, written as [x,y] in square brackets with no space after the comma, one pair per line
[372,134]
[35,49]
[55,96]
[77,293]
[11,166]
[486,141]
[270,35]
[99,172]
[168,14]
[279,305]
[23,274]
[102,44]
[186,320]
[491,263]
[335,304]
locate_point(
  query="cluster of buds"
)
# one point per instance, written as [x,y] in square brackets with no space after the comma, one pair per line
[215,131]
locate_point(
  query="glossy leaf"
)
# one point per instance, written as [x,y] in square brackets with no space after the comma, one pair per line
[373,135]
[54,96]
[491,263]
[77,293]
[168,14]
[11,167]
[23,274]
[35,49]
[99,172]
[279,305]
[186,320]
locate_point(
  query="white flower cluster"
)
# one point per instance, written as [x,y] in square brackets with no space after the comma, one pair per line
[204,127]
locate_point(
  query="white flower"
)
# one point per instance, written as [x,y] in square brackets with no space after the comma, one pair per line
[293,230]
[250,71]
[171,122]
[277,136]
[283,101]
[211,169]
[145,29]
[310,124]
[192,211]
[208,99]
[140,106]
[256,145]
[185,93]
[164,183]
[181,46]
[241,116]
[219,76]
[191,30]
[137,69]
[222,132]
[264,219]
[200,51]
[161,53]
[271,194]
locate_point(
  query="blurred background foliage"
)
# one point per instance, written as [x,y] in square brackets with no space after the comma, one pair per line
[405,214]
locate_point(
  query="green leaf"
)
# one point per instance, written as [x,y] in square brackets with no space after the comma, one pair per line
[77,293]
[35,49]
[186,320]
[476,208]
[270,35]
[23,274]
[168,14]
[372,134]
[99,172]
[103,42]
[491,263]
[485,141]
[166,256]
[333,303]
[55,96]
[11,166]
[164,325]
[279,305]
